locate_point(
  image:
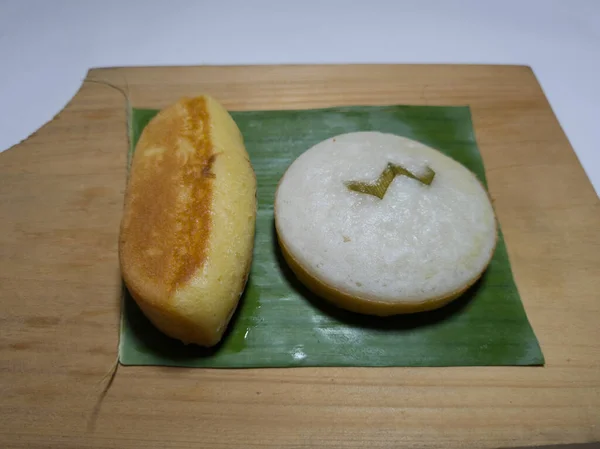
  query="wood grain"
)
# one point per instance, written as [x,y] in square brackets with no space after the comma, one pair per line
[61,194]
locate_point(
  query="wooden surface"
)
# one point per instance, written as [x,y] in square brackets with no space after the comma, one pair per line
[61,195]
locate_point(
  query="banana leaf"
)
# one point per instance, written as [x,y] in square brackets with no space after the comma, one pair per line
[279,323]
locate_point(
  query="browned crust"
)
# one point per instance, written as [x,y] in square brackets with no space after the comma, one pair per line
[166,223]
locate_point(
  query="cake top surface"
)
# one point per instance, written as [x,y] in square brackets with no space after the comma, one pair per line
[417,242]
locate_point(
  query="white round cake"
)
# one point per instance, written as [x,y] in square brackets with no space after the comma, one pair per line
[381,224]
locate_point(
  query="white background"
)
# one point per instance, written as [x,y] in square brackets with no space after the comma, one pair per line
[46,47]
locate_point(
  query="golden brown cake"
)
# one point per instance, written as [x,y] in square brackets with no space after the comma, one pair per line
[187,230]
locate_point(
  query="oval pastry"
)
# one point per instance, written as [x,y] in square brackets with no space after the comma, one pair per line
[188,223]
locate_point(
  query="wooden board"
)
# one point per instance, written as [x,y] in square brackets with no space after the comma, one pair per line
[61,195]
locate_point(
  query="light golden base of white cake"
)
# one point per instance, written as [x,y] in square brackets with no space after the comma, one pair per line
[363,304]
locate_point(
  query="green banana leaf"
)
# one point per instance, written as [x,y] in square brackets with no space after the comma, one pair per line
[280,324]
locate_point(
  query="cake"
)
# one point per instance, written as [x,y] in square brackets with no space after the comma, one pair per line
[381,224]
[188,224]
